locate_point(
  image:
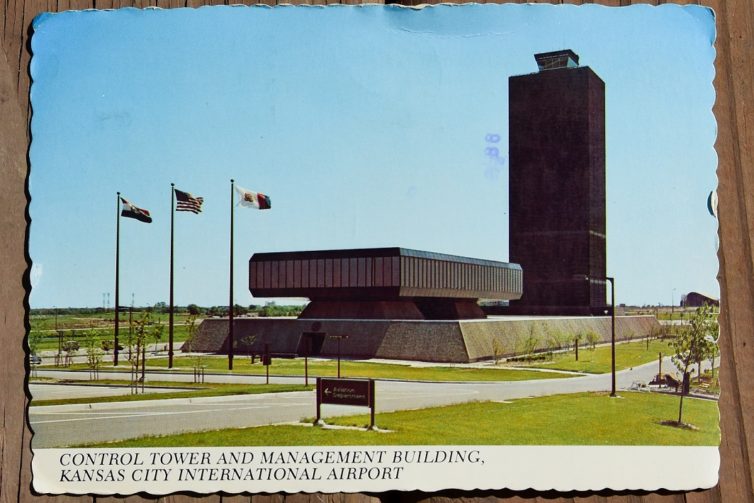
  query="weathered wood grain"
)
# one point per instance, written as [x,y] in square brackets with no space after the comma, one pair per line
[12,179]
[734,110]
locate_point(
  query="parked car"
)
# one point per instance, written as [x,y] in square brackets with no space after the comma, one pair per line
[35,359]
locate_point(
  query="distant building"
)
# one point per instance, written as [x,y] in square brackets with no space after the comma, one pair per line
[696,299]
[557,187]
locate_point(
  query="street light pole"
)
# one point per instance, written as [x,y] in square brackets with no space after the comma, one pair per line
[672,304]
[612,342]
[612,322]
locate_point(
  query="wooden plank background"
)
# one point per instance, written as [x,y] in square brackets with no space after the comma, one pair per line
[734,111]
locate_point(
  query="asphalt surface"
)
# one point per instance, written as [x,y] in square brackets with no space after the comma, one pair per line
[66,425]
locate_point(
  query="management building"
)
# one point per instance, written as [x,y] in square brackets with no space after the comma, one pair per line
[392,303]
[384,283]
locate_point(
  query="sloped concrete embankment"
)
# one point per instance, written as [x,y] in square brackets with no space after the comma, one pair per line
[434,341]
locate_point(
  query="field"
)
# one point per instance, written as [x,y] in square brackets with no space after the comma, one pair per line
[48,329]
[51,329]
[578,419]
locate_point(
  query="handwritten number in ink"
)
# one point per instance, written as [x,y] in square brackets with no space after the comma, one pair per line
[492,151]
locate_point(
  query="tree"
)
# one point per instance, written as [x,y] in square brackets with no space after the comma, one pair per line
[576,339]
[592,338]
[713,353]
[34,339]
[691,344]
[218,311]
[551,340]
[193,309]
[93,354]
[70,348]
[248,343]
[565,340]
[141,333]
[629,335]
[190,331]
[157,331]
[650,335]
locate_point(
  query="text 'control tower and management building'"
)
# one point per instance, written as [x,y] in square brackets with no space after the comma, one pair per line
[557,187]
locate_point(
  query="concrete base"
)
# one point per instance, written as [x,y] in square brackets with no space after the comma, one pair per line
[517,309]
[458,341]
[414,308]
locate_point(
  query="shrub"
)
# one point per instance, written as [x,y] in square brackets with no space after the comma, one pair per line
[498,349]
[531,341]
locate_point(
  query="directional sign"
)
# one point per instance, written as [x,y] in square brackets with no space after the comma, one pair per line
[345,392]
[358,392]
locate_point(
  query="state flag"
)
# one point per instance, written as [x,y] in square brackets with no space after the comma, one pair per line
[187,202]
[252,199]
[132,211]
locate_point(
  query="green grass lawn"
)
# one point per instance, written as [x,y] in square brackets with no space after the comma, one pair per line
[599,360]
[576,419]
[202,390]
[329,368]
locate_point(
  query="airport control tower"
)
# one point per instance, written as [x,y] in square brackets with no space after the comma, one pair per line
[557,187]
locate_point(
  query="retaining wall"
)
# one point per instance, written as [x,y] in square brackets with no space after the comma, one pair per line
[420,340]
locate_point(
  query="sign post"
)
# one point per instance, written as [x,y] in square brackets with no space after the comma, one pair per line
[359,392]
[267,361]
[307,350]
[339,338]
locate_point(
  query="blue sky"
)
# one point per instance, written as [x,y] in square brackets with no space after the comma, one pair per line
[365,125]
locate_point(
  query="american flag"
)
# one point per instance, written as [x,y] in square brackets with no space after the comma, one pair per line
[187,202]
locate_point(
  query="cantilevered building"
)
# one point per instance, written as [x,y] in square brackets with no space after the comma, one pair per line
[384,283]
[557,186]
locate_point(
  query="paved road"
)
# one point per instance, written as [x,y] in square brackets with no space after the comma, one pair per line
[64,425]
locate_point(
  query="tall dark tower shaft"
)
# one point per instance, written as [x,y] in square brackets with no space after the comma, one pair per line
[557,186]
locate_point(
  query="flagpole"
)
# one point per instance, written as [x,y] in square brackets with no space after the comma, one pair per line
[170,316]
[230,302]
[117,277]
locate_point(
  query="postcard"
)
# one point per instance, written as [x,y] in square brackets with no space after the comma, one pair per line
[369,248]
